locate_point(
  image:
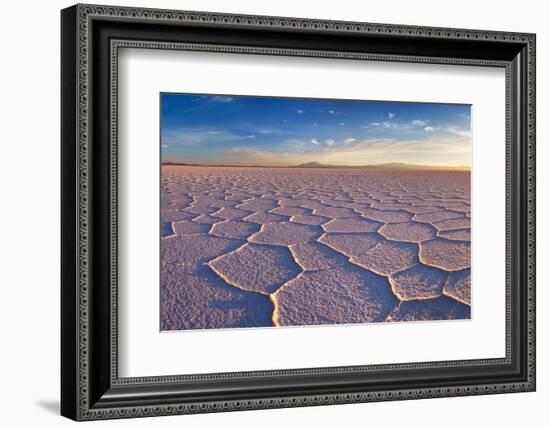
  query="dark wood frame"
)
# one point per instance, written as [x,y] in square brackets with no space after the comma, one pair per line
[90,386]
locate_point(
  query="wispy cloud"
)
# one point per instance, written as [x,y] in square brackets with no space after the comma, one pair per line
[181,138]
[329,142]
[429,129]
[314,141]
[435,145]
[458,131]
[349,140]
[384,125]
[221,99]
[419,123]
[252,155]
[391,115]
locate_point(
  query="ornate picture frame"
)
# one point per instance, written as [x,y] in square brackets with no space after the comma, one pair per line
[91,37]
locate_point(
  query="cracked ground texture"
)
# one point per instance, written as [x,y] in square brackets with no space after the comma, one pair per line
[260,247]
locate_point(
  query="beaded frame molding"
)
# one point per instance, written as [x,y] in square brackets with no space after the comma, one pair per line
[91,39]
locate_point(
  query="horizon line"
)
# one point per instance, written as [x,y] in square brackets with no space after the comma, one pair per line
[387,166]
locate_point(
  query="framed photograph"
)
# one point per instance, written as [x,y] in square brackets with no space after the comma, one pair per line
[263,212]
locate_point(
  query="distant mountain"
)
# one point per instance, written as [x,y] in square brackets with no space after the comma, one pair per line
[384,166]
[314,165]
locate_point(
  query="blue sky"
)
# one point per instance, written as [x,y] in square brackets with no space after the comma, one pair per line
[269,131]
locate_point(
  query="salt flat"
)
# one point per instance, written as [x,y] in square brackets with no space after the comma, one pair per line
[260,247]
